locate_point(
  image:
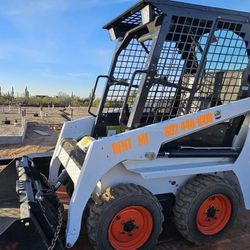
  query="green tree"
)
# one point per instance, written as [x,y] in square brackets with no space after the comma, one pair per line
[26,93]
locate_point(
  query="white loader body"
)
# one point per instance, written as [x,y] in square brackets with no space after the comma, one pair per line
[131,157]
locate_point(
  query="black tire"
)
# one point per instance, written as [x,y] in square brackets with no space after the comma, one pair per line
[191,201]
[104,212]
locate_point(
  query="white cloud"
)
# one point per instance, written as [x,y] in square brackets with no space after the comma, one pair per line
[47,73]
[77,74]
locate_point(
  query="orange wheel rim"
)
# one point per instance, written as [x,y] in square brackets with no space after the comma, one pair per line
[214,214]
[130,228]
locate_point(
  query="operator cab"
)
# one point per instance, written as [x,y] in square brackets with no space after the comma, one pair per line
[168,65]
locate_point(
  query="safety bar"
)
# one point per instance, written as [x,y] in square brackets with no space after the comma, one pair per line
[127,96]
[110,83]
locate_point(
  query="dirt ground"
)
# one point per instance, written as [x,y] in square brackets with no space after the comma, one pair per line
[50,115]
[236,239]
[51,122]
[10,129]
[33,143]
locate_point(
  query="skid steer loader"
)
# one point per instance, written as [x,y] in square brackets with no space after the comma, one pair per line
[170,138]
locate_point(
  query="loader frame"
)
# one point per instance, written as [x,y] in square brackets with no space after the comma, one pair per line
[132,156]
[182,87]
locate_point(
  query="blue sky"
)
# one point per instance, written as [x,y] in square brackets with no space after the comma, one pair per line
[59,45]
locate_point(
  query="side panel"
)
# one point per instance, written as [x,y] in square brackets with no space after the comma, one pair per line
[167,175]
[120,174]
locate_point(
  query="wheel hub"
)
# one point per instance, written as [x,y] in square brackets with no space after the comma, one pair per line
[214,214]
[211,212]
[130,228]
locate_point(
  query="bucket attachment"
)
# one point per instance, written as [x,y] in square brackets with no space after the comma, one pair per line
[30,212]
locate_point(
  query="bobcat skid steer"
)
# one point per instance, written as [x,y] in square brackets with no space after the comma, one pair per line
[171,136]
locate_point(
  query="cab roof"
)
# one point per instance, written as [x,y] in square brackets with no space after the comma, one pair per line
[132,17]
